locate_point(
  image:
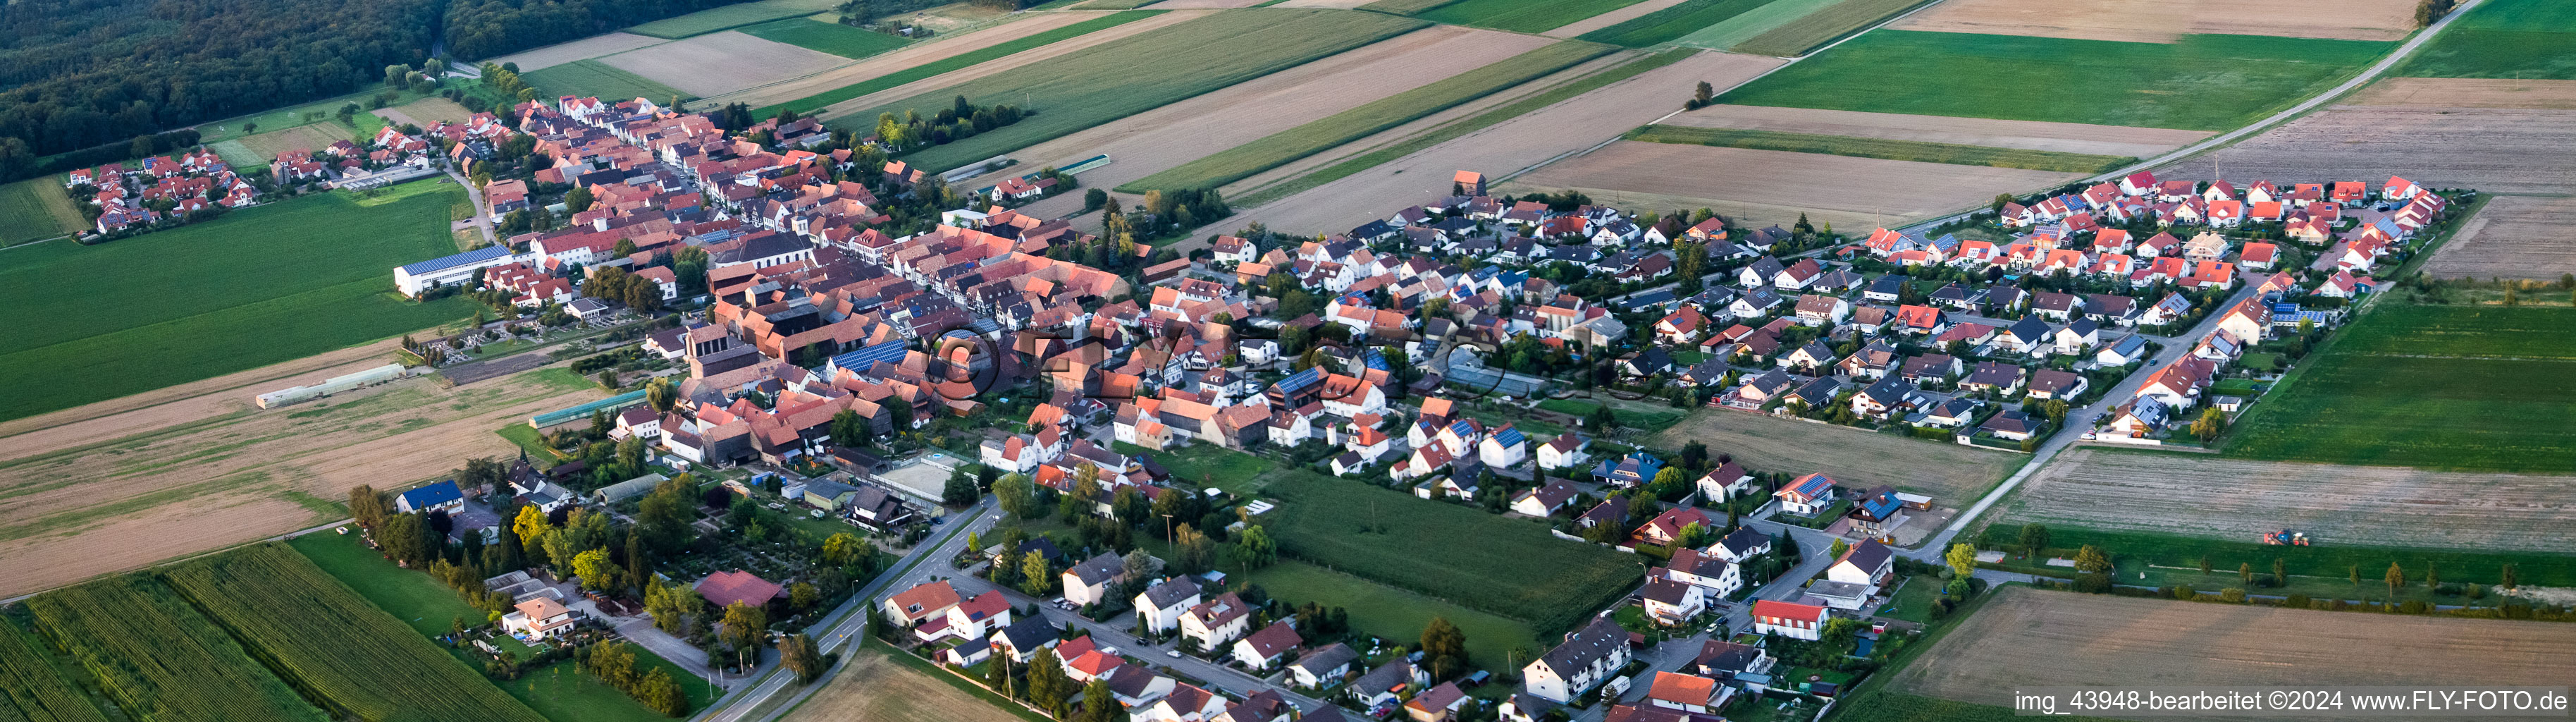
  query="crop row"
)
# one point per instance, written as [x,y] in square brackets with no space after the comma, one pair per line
[334,643]
[32,690]
[159,659]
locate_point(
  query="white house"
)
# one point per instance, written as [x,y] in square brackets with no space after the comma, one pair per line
[1165,603]
[1672,603]
[1267,648]
[1867,563]
[1217,621]
[1565,451]
[1505,449]
[1788,619]
[1088,583]
[1585,659]
[539,618]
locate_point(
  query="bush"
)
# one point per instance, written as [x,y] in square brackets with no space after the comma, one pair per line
[2232,595]
[2095,583]
[2296,601]
[2185,593]
[2415,606]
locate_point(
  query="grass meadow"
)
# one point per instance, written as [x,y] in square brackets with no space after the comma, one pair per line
[258,286]
[1507,566]
[953,62]
[1672,23]
[1136,74]
[2502,39]
[410,596]
[1526,16]
[592,78]
[2204,82]
[1910,150]
[728,17]
[2435,387]
[1205,465]
[36,209]
[820,36]
[1346,167]
[1323,134]
[1395,614]
[1791,28]
[2326,560]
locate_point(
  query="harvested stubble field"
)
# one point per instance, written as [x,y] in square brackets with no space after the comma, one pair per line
[1882,148]
[1670,24]
[2512,237]
[583,49]
[334,642]
[2437,387]
[193,485]
[592,78]
[816,33]
[1380,534]
[425,111]
[2508,151]
[2106,140]
[1124,77]
[2503,39]
[719,63]
[2027,638]
[1529,136]
[1768,186]
[878,687]
[2233,499]
[2470,93]
[159,659]
[919,60]
[1802,26]
[36,208]
[257,149]
[1525,16]
[2232,79]
[1388,84]
[2165,21]
[102,321]
[1949,473]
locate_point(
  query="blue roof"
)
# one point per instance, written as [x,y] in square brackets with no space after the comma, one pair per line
[1377,361]
[432,495]
[1462,427]
[1814,485]
[889,352]
[441,263]
[1299,381]
[1880,506]
[1509,437]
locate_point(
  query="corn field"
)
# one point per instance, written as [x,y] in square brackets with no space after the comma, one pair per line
[335,644]
[32,690]
[159,659]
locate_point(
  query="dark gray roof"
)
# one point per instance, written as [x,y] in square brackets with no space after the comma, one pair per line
[1171,591]
[1723,656]
[1743,540]
[1098,569]
[1324,660]
[1384,678]
[1582,648]
[1028,633]
[1869,554]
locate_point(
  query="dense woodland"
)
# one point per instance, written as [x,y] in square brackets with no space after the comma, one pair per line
[82,73]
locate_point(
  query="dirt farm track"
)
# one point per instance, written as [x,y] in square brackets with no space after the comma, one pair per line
[2124,490]
[2030,638]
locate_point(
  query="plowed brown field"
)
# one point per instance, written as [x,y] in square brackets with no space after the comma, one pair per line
[2164,21]
[719,63]
[2025,638]
[2109,140]
[583,49]
[1762,187]
[2470,93]
[2512,237]
[2347,505]
[904,57]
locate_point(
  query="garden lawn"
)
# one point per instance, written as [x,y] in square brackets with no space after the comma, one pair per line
[1670,24]
[1135,74]
[727,17]
[591,78]
[1286,146]
[1907,150]
[834,38]
[1636,415]
[409,595]
[1527,16]
[2502,39]
[1397,615]
[1206,465]
[2228,80]
[37,209]
[2434,387]
[208,299]
[1913,602]
[1507,566]
[565,694]
[953,62]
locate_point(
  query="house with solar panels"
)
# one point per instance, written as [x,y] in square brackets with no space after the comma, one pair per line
[1505,449]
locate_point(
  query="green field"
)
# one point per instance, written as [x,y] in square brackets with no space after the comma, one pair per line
[152,652]
[1792,28]
[1131,75]
[1913,600]
[2328,561]
[1672,23]
[261,285]
[38,690]
[1507,566]
[1243,161]
[409,595]
[1395,614]
[728,17]
[1910,150]
[335,644]
[1206,465]
[1345,167]
[834,38]
[37,209]
[2435,387]
[1632,414]
[2228,80]
[591,78]
[953,62]
[1404,7]
[565,694]
[2502,39]
[1526,16]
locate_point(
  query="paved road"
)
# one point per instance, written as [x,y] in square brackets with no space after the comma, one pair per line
[2232,136]
[842,627]
[2078,421]
[482,218]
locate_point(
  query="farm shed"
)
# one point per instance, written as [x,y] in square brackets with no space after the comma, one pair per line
[333,385]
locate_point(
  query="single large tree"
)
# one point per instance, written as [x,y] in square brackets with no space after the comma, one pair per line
[1962,559]
[2034,539]
[368,506]
[798,653]
[745,626]
[1444,649]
